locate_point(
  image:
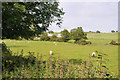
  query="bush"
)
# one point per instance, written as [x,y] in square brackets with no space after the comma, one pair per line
[83,42]
[53,38]
[60,39]
[50,32]
[114,42]
[65,35]
[97,31]
[36,39]
[89,42]
[112,31]
[44,37]
[78,34]
[19,38]
[13,63]
[53,67]
[60,68]
[71,41]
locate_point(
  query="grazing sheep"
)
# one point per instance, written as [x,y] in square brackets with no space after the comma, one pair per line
[93,54]
[51,53]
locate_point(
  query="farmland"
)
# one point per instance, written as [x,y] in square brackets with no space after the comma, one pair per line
[100,42]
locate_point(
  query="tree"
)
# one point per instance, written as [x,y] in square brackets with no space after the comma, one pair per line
[44,37]
[65,35]
[90,31]
[97,31]
[77,34]
[53,38]
[112,31]
[50,32]
[26,19]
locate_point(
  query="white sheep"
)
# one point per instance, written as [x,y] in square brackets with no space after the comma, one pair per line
[93,54]
[51,52]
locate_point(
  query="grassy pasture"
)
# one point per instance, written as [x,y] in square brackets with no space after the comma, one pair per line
[100,42]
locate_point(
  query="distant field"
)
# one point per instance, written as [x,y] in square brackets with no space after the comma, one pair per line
[100,42]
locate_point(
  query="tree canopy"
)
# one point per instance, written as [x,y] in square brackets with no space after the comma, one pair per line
[112,31]
[77,34]
[65,35]
[97,31]
[26,19]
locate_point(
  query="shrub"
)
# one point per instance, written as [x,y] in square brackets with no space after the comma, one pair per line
[78,34]
[31,38]
[83,42]
[36,39]
[19,38]
[112,31]
[60,39]
[97,31]
[71,41]
[50,32]
[114,42]
[65,35]
[89,42]
[53,38]
[35,67]
[44,37]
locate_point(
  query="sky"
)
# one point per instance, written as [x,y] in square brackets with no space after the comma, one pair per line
[91,15]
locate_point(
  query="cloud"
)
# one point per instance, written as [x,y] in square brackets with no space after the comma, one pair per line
[90,15]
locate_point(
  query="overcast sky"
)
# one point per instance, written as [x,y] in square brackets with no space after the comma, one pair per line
[91,15]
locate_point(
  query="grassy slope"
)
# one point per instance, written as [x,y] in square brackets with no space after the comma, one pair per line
[68,50]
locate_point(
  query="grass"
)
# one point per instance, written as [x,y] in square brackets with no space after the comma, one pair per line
[100,42]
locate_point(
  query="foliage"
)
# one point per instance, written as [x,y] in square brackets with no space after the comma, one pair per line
[60,39]
[36,39]
[71,41]
[35,67]
[50,32]
[114,43]
[44,37]
[97,31]
[26,19]
[102,60]
[65,35]
[112,31]
[83,42]
[78,34]
[68,50]
[53,38]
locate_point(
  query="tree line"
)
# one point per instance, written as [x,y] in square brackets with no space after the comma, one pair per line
[76,34]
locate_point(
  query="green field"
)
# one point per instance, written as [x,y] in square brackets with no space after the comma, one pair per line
[100,42]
